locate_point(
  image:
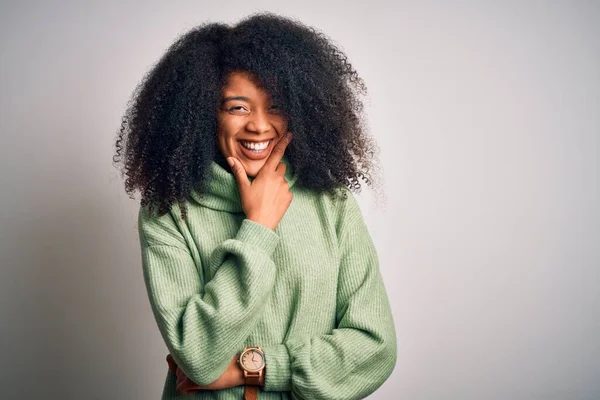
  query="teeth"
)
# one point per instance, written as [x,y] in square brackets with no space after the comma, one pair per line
[255,146]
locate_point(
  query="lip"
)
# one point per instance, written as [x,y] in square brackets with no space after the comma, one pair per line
[255,156]
[254,141]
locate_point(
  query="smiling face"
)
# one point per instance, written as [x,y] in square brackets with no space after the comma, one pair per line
[248,124]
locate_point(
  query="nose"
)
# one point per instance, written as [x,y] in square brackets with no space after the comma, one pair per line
[258,122]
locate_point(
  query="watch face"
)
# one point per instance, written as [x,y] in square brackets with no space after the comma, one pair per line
[252,360]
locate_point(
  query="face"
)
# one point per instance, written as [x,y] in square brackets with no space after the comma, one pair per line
[248,124]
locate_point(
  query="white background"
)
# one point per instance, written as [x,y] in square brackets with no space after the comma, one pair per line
[487,115]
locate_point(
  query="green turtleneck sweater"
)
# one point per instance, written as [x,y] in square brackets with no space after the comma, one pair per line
[309,293]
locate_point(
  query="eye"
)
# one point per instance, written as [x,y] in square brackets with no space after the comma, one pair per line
[237,109]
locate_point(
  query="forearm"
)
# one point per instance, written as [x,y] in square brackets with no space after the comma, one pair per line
[219,316]
[350,363]
[356,357]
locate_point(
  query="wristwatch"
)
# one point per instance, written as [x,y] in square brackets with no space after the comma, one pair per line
[252,362]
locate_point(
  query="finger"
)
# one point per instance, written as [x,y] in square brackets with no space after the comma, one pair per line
[171,362]
[185,388]
[282,168]
[278,151]
[239,172]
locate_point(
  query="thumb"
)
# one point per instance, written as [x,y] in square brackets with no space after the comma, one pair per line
[238,171]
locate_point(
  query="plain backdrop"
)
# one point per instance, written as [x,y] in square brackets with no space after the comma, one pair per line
[487,115]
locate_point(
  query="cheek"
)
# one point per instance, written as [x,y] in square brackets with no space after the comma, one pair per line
[280,125]
[227,128]
[223,140]
[225,132]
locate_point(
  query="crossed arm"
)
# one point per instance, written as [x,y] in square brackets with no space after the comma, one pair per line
[349,363]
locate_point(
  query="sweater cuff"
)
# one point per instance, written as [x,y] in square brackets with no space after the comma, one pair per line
[258,235]
[278,373]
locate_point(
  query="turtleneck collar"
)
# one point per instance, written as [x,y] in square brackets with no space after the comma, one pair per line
[222,189]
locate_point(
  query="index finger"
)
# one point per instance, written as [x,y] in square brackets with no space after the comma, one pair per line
[275,157]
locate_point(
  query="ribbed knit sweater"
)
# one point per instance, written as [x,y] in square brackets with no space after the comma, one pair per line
[309,293]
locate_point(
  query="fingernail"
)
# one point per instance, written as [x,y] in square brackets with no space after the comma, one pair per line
[230,161]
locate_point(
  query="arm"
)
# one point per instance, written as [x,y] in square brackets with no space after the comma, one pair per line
[360,354]
[203,324]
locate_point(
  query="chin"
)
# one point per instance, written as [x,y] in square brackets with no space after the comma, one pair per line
[253,169]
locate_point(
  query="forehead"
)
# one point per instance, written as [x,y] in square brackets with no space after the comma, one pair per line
[242,83]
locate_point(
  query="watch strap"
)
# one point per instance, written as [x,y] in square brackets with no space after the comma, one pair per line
[250,392]
[252,378]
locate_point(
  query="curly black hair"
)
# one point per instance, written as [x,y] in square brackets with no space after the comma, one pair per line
[169,127]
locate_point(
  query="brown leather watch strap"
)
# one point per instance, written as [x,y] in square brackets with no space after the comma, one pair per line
[253,378]
[251,392]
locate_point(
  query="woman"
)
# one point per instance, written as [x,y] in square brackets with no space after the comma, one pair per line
[261,273]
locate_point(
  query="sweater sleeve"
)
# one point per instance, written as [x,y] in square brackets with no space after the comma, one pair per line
[203,325]
[358,355]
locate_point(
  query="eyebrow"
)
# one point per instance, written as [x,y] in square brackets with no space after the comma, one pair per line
[229,98]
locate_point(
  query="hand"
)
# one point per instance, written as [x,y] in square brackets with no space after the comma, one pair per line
[265,199]
[233,376]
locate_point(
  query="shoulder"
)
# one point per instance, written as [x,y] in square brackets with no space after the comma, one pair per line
[342,208]
[154,229]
